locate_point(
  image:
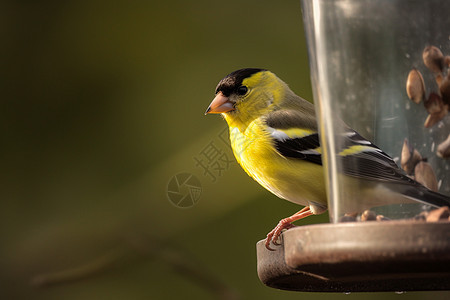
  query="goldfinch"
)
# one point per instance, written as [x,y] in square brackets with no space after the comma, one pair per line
[273,134]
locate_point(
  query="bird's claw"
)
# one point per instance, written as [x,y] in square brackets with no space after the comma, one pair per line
[274,235]
[284,225]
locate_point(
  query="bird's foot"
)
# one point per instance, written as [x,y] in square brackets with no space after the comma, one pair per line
[272,237]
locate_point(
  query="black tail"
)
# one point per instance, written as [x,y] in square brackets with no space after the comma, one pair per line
[422,194]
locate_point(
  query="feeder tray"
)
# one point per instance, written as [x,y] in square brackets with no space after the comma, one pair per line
[359,257]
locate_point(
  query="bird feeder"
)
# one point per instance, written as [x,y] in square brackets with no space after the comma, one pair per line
[382,68]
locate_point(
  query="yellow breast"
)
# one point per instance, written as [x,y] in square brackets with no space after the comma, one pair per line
[290,179]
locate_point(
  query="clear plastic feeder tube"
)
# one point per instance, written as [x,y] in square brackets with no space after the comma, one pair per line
[371,70]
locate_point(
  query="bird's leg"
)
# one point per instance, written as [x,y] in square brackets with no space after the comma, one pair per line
[286,224]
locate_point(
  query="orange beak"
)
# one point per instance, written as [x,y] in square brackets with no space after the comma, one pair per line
[220,104]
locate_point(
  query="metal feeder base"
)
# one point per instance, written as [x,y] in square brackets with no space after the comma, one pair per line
[359,257]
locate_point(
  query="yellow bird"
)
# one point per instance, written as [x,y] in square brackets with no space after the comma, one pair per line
[273,134]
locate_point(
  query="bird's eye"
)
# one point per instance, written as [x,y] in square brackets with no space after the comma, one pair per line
[242,90]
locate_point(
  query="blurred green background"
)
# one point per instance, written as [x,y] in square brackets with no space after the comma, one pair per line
[102,104]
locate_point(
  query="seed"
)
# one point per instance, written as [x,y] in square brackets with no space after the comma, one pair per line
[441,213]
[410,157]
[436,117]
[444,88]
[447,60]
[438,77]
[433,59]
[415,86]
[425,175]
[368,215]
[382,218]
[443,150]
[434,103]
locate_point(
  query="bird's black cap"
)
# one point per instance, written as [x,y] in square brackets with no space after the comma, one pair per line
[233,81]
